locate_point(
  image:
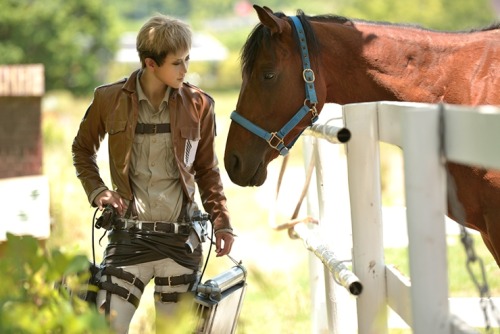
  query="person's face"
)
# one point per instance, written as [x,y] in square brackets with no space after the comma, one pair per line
[173,70]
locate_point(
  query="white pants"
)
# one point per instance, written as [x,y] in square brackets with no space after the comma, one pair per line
[122,311]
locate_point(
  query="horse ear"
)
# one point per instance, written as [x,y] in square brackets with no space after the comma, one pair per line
[269,10]
[267,18]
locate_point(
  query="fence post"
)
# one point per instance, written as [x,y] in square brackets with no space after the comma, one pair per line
[426,203]
[363,162]
[328,201]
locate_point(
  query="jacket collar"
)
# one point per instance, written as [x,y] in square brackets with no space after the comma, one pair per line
[130,84]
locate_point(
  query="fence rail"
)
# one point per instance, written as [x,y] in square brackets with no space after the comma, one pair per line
[429,135]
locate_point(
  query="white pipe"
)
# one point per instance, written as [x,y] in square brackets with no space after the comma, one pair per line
[342,274]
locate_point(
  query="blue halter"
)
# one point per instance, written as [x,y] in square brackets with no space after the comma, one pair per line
[275,139]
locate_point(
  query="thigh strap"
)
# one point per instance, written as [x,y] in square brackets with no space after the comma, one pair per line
[124,275]
[115,289]
[176,280]
[171,297]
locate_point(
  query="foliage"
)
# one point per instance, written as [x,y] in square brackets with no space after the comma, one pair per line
[76,40]
[29,299]
[434,14]
[140,9]
[73,39]
[186,9]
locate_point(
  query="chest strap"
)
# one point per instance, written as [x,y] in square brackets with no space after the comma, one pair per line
[142,128]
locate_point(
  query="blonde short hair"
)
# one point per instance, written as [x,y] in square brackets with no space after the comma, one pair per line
[162,35]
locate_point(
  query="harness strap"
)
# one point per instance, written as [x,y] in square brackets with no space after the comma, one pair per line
[124,275]
[152,226]
[176,280]
[170,297]
[115,289]
[107,302]
[308,73]
[142,128]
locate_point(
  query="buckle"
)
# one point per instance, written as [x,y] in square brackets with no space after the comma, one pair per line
[273,137]
[129,224]
[154,129]
[154,226]
[308,72]
[128,295]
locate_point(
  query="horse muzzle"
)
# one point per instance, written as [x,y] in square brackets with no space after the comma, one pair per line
[249,173]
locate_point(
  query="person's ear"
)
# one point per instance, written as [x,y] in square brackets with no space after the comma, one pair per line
[150,63]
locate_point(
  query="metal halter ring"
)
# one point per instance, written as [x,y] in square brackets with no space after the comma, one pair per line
[313,105]
[306,72]
[275,136]
[314,112]
[312,108]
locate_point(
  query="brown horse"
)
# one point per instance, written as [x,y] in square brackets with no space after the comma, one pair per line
[355,61]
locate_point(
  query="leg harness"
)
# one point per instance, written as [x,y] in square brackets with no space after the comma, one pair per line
[113,288]
[173,297]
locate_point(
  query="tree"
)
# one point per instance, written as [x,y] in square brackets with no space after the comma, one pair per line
[75,40]
[434,14]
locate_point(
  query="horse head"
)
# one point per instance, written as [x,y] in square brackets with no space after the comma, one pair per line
[275,86]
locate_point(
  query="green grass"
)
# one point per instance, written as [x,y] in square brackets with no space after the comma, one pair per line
[277,298]
[459,281]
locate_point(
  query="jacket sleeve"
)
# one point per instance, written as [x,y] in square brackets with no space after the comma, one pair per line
[207,175]
[84,149]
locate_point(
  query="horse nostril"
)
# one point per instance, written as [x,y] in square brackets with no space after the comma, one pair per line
[232,163]
[235,161]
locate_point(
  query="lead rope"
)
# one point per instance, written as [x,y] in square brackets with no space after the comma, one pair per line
[481,284]
[293,220]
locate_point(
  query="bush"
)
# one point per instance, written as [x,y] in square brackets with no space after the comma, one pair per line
[30,301]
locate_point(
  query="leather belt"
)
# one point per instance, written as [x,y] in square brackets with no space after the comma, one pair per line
[142,128]
[152,226]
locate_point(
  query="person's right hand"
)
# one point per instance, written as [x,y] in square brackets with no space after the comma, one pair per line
[113,198]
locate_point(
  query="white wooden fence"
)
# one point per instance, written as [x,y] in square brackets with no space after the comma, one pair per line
[428,134]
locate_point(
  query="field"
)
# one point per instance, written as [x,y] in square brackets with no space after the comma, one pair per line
[277,298]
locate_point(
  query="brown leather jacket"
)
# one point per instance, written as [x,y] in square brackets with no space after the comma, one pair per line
[114,111]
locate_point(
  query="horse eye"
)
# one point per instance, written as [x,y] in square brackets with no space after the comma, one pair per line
[269,75]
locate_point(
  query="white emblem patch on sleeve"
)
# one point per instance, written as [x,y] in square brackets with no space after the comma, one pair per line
[190,152]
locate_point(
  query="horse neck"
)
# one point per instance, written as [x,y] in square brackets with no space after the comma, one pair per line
[372,62]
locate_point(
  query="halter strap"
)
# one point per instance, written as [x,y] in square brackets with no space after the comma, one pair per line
[276,139]
[308,73]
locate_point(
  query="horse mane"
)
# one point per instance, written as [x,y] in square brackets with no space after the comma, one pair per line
[261,36]
[493,26]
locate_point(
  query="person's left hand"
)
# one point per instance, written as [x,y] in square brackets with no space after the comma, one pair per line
[223,243]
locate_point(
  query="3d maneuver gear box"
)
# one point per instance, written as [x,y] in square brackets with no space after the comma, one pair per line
[218,302]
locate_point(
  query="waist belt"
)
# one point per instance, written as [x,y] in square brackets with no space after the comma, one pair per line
[152,226]
[142,128]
